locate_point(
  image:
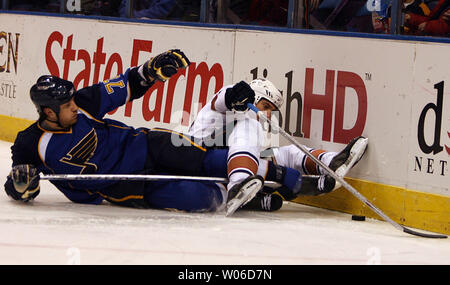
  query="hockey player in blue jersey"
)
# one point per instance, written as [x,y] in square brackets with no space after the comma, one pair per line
[73,137]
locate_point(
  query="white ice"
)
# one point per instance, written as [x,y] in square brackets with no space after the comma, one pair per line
[53,230]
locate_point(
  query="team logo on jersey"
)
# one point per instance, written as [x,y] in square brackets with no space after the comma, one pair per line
[80,154]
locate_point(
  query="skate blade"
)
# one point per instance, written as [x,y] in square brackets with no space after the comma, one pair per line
[247,193]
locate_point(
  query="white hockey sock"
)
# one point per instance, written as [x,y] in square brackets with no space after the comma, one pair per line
[291,156]
[326,158]
[236,178]
[244,150]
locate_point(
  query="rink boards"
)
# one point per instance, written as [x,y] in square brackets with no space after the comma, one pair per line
[335,88]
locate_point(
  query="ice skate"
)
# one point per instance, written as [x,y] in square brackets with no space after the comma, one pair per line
[315,185]
[240,194]
[264,202]
[348,157]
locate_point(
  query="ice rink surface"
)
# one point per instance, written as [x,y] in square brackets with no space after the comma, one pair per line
[53,230]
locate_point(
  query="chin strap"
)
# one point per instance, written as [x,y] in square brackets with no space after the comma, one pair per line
[56,122]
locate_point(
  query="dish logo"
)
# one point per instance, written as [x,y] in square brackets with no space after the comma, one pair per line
[437,109]
[332,104]
[313,101]
[432,165]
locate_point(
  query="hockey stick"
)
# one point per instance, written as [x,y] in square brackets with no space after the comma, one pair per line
[137,177]
[341,180]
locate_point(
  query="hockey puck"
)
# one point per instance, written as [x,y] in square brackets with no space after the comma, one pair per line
[358,218]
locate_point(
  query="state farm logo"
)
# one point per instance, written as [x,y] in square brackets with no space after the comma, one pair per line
[429,136]
[63,53]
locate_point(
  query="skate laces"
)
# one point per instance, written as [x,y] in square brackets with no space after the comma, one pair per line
[266,202]
[321,183]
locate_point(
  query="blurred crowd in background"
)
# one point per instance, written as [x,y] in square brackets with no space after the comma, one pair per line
[417,17]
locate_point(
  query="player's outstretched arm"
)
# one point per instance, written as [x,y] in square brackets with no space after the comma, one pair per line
[106,96]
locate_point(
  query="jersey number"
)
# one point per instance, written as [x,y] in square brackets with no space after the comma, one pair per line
[110,85]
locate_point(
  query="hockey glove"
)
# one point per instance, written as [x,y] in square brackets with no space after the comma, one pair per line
[25,183]
[237,97]
[164,65]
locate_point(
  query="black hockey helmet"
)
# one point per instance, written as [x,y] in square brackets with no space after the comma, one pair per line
[51,92]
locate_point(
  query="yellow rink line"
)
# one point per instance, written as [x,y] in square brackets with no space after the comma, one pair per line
[411,208]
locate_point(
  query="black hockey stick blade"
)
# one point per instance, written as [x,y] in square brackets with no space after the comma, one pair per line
[409,231]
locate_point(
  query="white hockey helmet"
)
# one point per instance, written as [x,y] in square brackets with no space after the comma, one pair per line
[264,89]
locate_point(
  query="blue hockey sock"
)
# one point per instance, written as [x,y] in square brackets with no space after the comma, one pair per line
[289,177]
[292,179]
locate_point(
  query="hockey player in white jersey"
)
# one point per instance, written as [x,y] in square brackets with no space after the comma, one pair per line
[218,124]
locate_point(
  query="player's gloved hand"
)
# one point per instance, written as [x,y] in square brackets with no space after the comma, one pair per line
[164,65]
[25,180]
[237,97]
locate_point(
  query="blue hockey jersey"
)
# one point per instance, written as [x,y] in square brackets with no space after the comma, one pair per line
[92,145]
